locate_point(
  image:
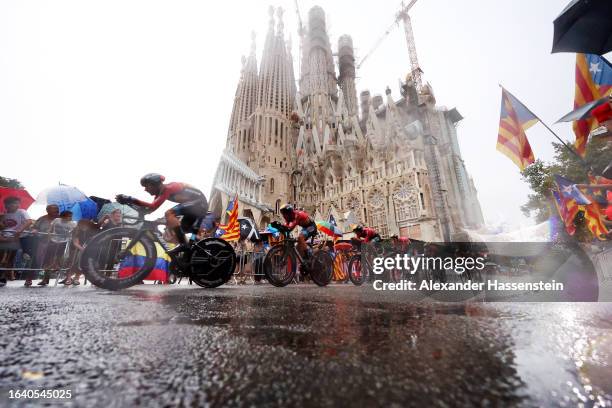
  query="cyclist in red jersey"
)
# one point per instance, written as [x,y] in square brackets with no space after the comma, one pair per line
[294,218]
[366,234]
[192,204]
[400,244]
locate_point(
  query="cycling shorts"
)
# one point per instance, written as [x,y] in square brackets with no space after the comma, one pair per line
[309,231]
[191,211]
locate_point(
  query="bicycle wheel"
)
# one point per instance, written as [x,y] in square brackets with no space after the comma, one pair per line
[280,265]
[396,275]
[108,265]
[213,262]
[356,271]
[322,268]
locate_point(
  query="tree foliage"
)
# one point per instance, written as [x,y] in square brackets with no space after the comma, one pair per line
[539,175]
[10,183]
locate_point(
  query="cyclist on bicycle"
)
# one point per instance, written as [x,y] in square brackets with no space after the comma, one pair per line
[400,244]
[192,204]
[294,218]
[366,234]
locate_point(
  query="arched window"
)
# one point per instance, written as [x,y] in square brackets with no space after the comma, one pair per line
[271,185]
[278,206]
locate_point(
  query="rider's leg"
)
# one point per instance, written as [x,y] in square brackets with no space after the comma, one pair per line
[302,247]
[174,224]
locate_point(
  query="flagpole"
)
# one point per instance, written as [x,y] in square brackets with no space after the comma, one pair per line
[568,147]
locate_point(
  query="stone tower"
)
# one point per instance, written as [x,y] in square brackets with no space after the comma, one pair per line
[346,79]
[273,143]
[392,163]
[240,133]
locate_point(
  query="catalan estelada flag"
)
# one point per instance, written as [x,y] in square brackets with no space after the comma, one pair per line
[514,120]
[231,230]
[568,209]
[593,82]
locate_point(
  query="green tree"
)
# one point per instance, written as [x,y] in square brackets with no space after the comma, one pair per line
[539,175]
[10,183]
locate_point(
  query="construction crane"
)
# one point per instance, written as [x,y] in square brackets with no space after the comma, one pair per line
[402,16]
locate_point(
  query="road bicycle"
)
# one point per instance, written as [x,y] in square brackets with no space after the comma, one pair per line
[280,263]
[360,264]
[122,257]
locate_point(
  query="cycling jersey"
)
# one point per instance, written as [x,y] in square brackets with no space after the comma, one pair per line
[175,192]
[402,243]
[192,203]
[368,234]
[300,218]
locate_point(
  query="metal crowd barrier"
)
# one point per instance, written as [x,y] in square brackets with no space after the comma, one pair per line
[36,252]
[249,266]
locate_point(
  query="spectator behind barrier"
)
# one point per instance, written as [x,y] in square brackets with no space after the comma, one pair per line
[61,231]
[12,224]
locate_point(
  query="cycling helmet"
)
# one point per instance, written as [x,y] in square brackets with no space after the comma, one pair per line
[151,178]
[286,209]
[358,228]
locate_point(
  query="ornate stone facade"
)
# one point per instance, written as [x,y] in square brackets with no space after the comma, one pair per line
[395,165]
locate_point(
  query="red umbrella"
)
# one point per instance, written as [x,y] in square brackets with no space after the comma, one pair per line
[23,195]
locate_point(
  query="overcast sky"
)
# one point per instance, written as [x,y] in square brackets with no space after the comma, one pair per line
[95,94]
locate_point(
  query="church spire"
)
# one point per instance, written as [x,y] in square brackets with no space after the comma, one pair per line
[240,134]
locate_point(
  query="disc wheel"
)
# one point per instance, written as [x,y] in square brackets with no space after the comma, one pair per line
[213,262]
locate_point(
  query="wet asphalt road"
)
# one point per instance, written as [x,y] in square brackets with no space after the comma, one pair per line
[298,346]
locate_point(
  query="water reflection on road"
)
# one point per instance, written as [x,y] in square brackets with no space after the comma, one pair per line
[303,345]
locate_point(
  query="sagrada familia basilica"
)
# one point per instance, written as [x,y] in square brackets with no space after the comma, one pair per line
[390,162]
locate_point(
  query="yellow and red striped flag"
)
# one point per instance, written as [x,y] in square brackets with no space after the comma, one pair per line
[514,120]
[593,218]
[231,230]
[568,209]
[593,81]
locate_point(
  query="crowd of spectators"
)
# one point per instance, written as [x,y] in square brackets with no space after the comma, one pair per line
[49,244]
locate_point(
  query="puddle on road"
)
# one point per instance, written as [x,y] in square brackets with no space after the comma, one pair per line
[550,354]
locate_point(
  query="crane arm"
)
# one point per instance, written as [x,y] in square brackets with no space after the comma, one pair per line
[402,15]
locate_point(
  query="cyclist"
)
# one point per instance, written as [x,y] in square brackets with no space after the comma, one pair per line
[400,244]
[294,218]
[191,206]
[366,234]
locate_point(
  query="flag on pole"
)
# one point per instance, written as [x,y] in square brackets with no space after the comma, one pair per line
[569,190]
[568,209]
[593,218]
[248,231]
[332,220]
[593,82]
[231,230]
[514,120]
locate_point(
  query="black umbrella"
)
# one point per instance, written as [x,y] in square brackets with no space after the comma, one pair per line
[585,26]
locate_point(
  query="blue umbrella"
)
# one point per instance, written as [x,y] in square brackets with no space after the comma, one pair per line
[65,197]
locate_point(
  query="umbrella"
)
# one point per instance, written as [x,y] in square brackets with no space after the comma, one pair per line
[585,26]
[84,210]
[329,229]
[65,197]
[23,195]
[126,211]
